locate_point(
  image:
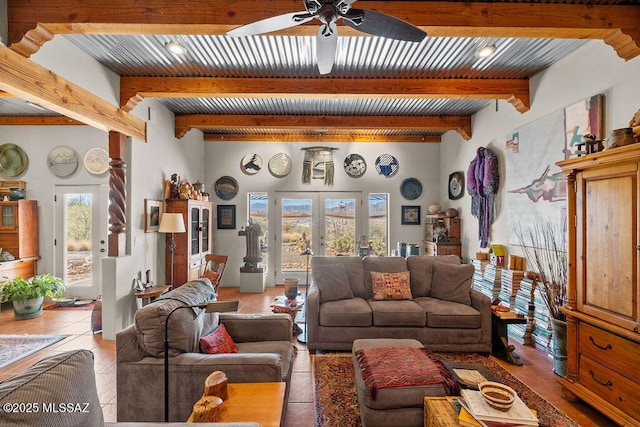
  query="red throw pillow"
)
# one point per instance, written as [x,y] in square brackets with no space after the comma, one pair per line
[219,341]
[211,275]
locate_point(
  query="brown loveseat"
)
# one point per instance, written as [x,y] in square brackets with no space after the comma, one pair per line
[443,312]
[265,353]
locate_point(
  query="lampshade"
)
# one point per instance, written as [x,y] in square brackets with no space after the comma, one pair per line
[171,223]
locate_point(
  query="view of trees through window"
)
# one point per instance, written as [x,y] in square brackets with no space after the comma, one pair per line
[379,224]
[79,235]
[258,214]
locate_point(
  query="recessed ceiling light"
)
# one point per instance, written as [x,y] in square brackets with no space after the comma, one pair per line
[34,105]
[485,51]
[175,48]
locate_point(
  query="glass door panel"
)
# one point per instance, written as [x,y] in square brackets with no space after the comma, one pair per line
[296,231]
[340,226]
[195,226]
[204,227]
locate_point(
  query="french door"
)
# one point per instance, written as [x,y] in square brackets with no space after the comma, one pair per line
[328,223]
[80,238]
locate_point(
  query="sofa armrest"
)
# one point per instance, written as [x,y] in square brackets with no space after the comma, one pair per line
[258,327]
[313,312]
[127,347]
[482,303]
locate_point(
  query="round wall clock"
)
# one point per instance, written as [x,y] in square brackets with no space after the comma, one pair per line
[456,185]
[13,160]
[354,165]
[251,164]
[387,165]
[226,187]
[96,161]
[280,165]
[63,161]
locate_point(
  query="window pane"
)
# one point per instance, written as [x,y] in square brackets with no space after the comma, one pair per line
[340,226]
[258,214]
[78,226]
[379,223]
[296,232]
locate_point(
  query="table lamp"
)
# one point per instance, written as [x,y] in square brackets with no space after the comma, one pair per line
[209,307]
[171,223]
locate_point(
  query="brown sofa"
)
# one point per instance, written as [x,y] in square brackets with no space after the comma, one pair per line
[265,353]
[444,313]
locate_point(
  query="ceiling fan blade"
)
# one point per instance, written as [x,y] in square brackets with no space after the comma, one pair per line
[326,46]
[269,25]
[383,25]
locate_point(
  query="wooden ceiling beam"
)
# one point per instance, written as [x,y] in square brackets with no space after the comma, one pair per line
[32,82]
[32,23]
[318,137]
[38,121]
[312,123]
[134,89]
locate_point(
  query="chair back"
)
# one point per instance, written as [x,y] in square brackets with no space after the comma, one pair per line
[214,263]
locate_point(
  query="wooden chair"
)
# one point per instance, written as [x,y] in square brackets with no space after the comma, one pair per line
[214,268]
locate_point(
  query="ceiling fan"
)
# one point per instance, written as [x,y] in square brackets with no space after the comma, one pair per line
[328,13]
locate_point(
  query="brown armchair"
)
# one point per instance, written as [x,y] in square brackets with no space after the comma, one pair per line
[214,269]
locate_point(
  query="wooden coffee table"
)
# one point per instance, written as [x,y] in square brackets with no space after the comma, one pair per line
[255,402]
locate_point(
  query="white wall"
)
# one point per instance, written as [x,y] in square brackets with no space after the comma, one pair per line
[418,160]
[595,68]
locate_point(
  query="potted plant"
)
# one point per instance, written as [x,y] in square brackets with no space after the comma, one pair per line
[545,248]
[28,294]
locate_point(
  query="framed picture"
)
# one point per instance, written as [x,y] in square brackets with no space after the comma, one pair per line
[227,217]
[411,215]
[153,210]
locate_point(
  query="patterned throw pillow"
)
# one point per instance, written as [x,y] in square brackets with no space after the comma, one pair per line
[388,286]
[211,275]
[219,341]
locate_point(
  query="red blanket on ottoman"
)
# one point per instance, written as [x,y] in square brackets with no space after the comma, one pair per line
[401,367]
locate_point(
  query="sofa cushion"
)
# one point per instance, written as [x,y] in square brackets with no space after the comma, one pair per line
[66,378]
[384,264]
[388,286]
[219,341]
[343,313]
[452,282]
[397,313]
[333,283]
[421,268]
[352,264]
[186,325]
[447,314]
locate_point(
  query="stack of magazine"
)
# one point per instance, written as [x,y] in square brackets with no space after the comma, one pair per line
[475,412]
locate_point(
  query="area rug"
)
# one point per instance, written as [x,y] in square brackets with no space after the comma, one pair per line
[16,347]
[336,401]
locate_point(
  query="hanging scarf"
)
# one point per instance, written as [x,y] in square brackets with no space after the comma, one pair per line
[483,179]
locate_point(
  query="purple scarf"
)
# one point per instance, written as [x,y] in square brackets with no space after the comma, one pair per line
[483,179]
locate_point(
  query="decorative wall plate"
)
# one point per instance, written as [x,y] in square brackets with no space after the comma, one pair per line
[355,165]
[251,164]
[63,161]
[96,161]
[13,160]
[226,187]
[387,165]
[280,165]
[411,188]
[456,185]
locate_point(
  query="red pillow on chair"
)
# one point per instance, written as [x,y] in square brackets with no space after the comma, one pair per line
[219,341]
[211,275]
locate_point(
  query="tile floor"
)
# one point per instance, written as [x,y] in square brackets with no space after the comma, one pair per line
[536,372]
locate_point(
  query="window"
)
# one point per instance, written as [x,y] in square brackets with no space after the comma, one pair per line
[258,214]
[379,223]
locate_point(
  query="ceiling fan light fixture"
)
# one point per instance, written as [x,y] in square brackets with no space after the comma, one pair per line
[175,48]
[485,51]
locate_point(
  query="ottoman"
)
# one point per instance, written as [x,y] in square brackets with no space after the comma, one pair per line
[397,405]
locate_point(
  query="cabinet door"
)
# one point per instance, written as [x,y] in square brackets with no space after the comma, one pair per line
[194,232]
[205,239]
[606,240]
[9,216]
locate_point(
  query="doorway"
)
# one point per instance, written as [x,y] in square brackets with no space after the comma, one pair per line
[329,223]
[80,238]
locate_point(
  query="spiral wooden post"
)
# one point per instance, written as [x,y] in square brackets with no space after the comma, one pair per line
[117,193]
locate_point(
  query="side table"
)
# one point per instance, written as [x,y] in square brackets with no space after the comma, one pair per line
[283,305]
[500,346]
[150,294]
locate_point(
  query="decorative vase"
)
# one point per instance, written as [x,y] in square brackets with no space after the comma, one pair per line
[16,193]
[434,208]
[559,351]
[291,288]
[28,309]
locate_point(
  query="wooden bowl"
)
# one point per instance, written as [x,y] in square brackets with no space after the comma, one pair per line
[498,396]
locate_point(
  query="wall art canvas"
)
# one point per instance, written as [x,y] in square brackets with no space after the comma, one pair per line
[153,210]
[585,116]
[536,192]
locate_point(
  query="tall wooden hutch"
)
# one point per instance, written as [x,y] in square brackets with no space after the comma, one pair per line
[19,237]
[450,244]
[603,311]
[194,244]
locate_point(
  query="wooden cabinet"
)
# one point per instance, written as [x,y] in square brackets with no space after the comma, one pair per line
[449,228]
[194,244]
[603,310]
[19,228]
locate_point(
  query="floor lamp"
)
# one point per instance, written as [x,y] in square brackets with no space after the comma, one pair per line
[209,307]
[303,337]
[171,223]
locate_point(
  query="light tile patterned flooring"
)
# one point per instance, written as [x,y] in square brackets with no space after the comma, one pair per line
[536,372]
